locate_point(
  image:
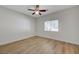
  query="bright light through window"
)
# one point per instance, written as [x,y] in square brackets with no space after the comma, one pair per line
[51,25]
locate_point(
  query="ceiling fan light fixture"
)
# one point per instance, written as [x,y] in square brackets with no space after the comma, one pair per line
[37,12]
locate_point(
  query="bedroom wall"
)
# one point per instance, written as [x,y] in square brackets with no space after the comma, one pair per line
[15,26]
[68,25]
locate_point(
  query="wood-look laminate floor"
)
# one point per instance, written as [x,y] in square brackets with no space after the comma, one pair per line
[39,45]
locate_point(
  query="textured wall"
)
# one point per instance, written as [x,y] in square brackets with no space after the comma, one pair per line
[68,25]
[15,26]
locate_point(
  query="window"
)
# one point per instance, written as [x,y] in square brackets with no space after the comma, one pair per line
[51,25]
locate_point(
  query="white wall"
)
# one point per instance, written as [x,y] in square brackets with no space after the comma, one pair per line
[68,25]
[15,26]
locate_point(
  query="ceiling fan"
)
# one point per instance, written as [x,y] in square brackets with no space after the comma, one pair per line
[37,10]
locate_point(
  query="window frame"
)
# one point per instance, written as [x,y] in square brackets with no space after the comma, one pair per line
[51,22]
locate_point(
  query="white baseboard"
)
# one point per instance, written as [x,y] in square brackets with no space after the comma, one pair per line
[76,43]
[4,43]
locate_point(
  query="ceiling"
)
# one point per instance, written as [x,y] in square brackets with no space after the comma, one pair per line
[51,8]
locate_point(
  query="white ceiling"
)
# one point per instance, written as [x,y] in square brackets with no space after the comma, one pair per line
[51,8]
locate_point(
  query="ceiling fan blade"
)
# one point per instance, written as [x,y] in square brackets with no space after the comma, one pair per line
[39,13]
[33,13]
[37,6]
[31,10]
[42,10]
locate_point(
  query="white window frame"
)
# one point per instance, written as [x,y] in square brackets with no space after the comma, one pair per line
[52,25]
